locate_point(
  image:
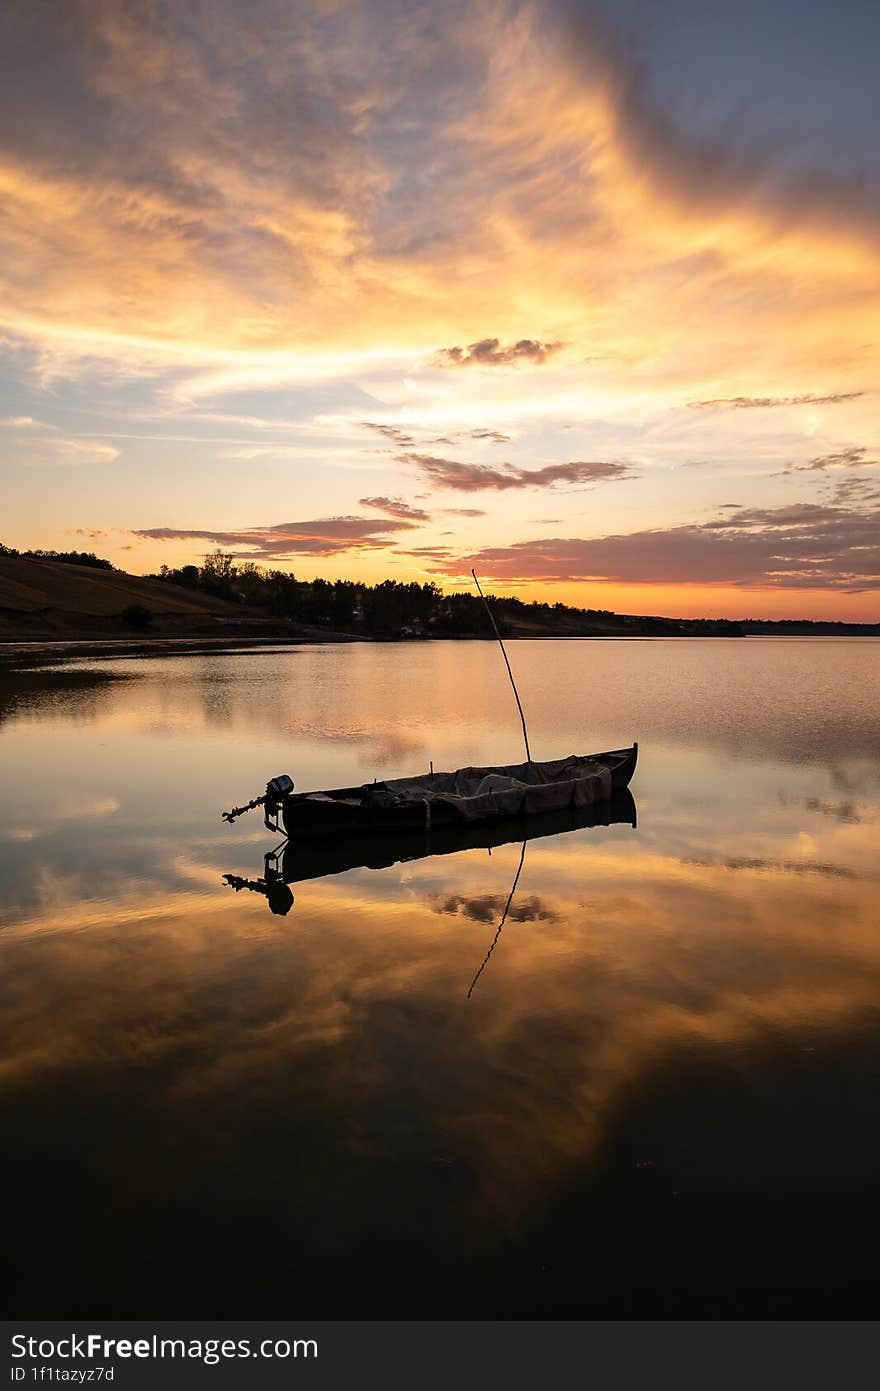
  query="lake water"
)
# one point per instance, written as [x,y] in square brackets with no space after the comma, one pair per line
[658,1099]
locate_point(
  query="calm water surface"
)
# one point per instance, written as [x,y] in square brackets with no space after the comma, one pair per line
[660,1097]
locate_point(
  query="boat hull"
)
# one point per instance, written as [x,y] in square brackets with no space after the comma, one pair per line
[340,811]
[315,857]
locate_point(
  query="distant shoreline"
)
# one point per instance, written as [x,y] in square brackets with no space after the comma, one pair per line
[26,652]
[54,606]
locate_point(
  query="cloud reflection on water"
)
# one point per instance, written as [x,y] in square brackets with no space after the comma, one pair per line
[173,1051]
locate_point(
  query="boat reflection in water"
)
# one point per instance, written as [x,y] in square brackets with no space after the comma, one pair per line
[293,861]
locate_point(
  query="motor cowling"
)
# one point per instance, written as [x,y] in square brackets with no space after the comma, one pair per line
[279,788]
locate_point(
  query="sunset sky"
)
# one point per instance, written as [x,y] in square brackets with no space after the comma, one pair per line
[587,296]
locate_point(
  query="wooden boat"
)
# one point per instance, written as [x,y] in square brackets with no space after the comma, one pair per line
[317,857]
[443,799]
[447,799]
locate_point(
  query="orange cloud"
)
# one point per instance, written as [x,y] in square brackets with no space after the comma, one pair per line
[186,241]
[203,204]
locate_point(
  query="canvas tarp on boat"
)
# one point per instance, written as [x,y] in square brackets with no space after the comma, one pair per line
[518,789]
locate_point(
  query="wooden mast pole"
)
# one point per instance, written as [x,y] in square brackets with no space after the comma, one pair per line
[507,664]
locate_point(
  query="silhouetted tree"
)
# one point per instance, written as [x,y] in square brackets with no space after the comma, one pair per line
[217,574]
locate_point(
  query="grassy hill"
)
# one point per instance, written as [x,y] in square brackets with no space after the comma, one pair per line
[46,599]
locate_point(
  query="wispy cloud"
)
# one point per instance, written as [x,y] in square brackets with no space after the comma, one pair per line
[493,436]
[392,433]
[743,403]
[471,478]
[855,456]
[411,437]
[24,422]
[396,507]
[855,489]
[43,444]
[79,451]
[761,865]
[441,553]
[323,537]
[489,352]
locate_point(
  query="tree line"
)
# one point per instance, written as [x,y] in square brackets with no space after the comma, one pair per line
[391,606]
[87,558]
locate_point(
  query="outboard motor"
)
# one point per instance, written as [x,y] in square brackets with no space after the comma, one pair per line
[272,800]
